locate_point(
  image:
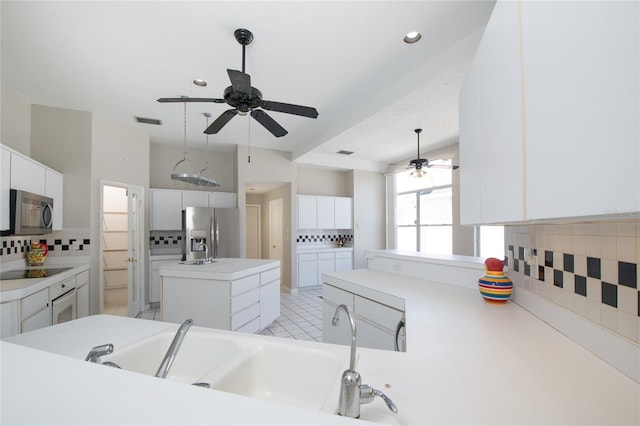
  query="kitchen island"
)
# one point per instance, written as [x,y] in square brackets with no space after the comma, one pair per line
[228,294]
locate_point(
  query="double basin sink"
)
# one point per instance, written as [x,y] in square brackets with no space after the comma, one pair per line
[301,374]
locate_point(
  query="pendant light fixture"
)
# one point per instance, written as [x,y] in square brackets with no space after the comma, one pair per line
[193,178]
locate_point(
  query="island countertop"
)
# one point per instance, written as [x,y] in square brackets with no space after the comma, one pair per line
[221,269]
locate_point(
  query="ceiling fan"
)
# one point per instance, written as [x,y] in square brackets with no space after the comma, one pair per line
[247,99]
[419,164]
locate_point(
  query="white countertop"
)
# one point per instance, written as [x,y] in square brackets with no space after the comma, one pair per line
[20,288]
[221,269]
[468,362]
[471,362]
[441,259]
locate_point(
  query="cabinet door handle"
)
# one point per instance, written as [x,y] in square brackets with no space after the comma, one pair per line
[401,324]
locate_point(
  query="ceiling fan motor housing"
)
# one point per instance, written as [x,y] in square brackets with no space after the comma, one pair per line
[242,101]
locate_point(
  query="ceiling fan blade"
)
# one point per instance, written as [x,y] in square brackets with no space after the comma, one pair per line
[303,111]
[214,100]
[221,121]
[240,81]
[269,123]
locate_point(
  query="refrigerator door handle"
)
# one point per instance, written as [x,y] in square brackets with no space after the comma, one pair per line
[214,235]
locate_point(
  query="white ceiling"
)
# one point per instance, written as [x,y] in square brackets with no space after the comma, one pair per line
[347,59]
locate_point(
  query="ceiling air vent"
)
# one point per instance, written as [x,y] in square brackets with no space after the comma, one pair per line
[343,152]
[149,121]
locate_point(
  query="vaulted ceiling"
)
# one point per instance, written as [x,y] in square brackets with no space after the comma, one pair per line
[345,58]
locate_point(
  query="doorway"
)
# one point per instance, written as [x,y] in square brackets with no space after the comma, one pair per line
[121,248]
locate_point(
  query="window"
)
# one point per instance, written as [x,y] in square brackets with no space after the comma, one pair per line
[490,241]
[424,210]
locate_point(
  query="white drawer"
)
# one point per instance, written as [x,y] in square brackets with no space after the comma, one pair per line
[337,296]
[241,318]
[326,256]
[377,313]
[270,275]
[344,255]
[245,284]
[244,300]
[34,303]
[307,257]
[82,278]
[250,327]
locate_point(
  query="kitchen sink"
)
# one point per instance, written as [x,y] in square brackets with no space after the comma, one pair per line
[200,353]
[302,377]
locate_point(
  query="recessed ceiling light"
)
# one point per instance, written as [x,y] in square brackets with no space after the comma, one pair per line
[412,37]
[199,82]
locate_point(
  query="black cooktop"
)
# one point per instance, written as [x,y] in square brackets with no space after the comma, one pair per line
[30,273]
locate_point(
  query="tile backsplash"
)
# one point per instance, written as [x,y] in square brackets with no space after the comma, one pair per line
[323,238]
[591,269]
[72,242]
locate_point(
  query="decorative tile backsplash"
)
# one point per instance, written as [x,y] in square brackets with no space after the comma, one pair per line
[165,238]
[320,238]
[591,269]
[74,242]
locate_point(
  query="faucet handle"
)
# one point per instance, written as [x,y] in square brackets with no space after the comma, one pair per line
[367,393]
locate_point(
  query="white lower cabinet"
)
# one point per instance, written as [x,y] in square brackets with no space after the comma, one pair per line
[35,311]
[312,265]
[269,297]
[82,294]
[9,325]
[154,276]
[376,323]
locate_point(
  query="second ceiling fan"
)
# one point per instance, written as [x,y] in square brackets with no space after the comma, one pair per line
[247,99]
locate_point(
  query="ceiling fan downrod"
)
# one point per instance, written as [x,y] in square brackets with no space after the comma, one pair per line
[244,37]
[418,131]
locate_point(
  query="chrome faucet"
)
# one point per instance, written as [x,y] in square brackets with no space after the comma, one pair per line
[96,352]
[206,250]
[170,356]
[352,392]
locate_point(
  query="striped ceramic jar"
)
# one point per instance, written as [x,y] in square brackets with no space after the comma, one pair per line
[495,287]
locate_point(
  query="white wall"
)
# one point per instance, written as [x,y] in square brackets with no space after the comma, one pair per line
[164,157]
[369,222]
[315,181]
[15,122]
[61,139]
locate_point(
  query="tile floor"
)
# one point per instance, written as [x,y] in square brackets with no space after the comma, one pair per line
[300,316]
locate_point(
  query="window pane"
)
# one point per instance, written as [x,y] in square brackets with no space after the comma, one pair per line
[407,209]
[435,207]
[407,238]
[492,241]
[436,239]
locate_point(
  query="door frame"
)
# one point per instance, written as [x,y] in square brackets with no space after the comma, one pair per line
[259,208]
[276,220]
[139,260]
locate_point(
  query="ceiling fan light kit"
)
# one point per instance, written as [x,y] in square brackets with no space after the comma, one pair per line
[245,99]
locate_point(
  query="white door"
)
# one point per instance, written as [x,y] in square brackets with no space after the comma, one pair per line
[275,229]
[253,231]
[135,249]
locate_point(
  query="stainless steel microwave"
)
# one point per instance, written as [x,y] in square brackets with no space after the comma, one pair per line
[30,214]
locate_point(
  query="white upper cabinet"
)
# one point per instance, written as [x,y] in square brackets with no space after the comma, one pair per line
[27,175]
[491,129]
[581,89]
[343,213]
[307,212]
[195,199]
[54,189]
[549,114]
[166,209]
[326,213]
[321,212]
[5,178]
[225,200]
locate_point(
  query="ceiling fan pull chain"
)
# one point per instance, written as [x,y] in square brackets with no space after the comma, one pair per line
[249,133]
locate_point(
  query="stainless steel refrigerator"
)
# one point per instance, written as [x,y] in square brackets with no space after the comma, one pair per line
[212,232]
